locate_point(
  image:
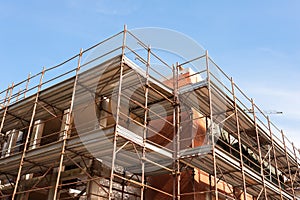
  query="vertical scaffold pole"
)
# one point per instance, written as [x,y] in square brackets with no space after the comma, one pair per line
[17,97]
[110,195]
[174,194]
[176,138]
[145,122]
[296,174]
[275,157]
[27,84]
[239,139]
[259,151]
[210,186]
[7,99]
[28,134]
[211,125]
[6,102]
[178,133]
[288,164]
[66,131]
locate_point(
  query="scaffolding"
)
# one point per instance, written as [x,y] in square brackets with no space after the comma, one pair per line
[125,124]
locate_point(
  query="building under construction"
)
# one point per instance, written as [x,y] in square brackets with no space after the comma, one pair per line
[126,124]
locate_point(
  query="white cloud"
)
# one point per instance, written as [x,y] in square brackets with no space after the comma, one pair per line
[267,51]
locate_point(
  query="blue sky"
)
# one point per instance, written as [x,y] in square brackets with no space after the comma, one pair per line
[255,42]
